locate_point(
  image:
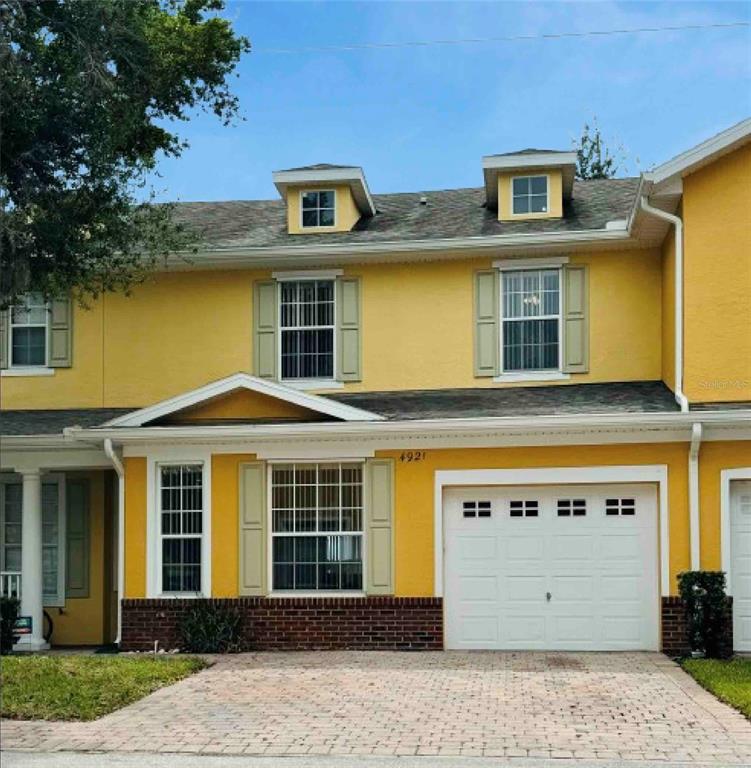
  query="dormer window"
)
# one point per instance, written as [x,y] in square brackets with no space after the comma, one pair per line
[529,194]
[318,208]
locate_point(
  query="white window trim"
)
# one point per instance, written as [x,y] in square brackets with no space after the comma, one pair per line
[28,370]
[307,274]
[331,383]
[22,371]
[726,550]
[647,473]
[270,534]
[326,227]
[155,460]
[552,374]
[50,601]
[529,214]
[518,376]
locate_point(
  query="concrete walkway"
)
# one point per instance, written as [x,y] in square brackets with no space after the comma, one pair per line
[636,707]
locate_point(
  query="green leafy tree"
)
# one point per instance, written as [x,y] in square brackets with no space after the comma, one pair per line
[91,92]
[593,158]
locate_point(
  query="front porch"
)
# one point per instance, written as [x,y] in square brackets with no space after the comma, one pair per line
[58,546]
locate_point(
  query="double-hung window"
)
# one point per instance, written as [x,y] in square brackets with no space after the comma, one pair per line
[530,194]
[181,527]
[317,527]
[531,322]
[307,324]
[318,208]
[28,332]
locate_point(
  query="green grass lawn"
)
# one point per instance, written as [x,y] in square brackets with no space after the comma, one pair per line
[80,687]
[730,680]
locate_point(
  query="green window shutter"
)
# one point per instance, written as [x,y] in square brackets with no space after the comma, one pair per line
[349,363]
[380,526]
[4,331]
[253,528]
[486,323]
[77,538]
[265,321]
[575,319]
[60,333]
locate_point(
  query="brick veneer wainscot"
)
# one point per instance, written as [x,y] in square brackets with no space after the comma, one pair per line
[675,631]
[299,623]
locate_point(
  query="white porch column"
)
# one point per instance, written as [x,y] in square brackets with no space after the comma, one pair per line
[31,560]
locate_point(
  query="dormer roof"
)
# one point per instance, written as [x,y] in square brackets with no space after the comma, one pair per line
[324,173]
[527,160]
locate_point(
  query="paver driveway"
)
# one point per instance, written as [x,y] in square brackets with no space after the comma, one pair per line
[593,705]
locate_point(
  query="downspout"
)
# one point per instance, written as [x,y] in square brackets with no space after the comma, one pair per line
[118,465]
[678,226]
[693,495]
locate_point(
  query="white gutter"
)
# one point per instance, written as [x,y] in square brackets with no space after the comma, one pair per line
[413,428]
[678,225]
[354,251]
[118,465]
[693,495]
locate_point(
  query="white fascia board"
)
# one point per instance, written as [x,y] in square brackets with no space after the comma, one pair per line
[655,422]
[542,159]
[353,176]
[242,381]
[349,252]
[702,153]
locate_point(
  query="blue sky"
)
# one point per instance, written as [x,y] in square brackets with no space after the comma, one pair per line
[421,118]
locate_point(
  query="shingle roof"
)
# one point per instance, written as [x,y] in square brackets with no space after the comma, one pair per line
[52,422]
[319,167]
[531,151]
[622,397]
[610,398]
[453,213]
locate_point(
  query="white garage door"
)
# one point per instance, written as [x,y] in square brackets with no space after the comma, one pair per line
[564,567]
[740,570]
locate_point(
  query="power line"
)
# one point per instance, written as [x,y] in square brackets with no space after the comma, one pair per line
[505,39]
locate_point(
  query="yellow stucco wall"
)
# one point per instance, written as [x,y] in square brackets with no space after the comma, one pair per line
[414,496]
[345,216]
[555,194]
[135,527]
[717,216]
[668,310]
[414,503]
[244,404]
[81,620]
[181,330]
[225,477]
[713,458]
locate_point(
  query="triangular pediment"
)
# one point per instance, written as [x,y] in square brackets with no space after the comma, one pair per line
[242,399]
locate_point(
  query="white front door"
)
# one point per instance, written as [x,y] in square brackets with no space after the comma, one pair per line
[740,570]
[552,567]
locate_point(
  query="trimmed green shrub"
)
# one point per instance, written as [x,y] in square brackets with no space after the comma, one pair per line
[9,607]
[210,628]
[703,595]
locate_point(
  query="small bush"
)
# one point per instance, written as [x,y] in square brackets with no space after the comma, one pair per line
[9,607]
[703,594]
[210,628]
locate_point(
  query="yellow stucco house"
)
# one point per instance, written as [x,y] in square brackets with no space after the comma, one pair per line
[504,417]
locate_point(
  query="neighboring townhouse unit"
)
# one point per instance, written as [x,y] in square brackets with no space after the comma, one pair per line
[504,417]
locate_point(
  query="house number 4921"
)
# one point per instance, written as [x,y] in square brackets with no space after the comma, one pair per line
[409,456]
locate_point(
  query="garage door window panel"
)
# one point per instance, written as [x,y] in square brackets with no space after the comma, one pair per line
[524,508]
